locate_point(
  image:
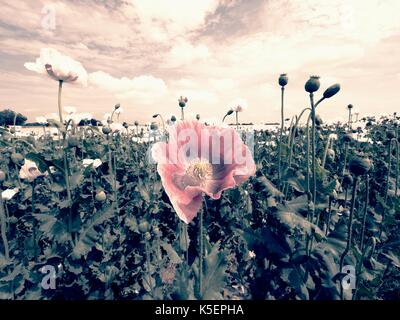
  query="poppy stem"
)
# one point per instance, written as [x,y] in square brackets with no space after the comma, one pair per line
[60,84]
[3,227]
[65,162]
[237,121]
[201,248]
[182,114]
[349,232]
[281,137]
[365,213]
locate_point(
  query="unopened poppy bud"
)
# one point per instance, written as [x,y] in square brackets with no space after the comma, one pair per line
[73,142]
[2,176]
[144,226]
[101,196]
[17,158]
[350,106]
[173,119]
[136,123]
[283,79]
[330,154]
[331,91]
[230,111]
[117,106]
[12,130]
[359,166]
[197,117]
[147,236]
[156,230]
[312,84]
[347,181]
[126,126]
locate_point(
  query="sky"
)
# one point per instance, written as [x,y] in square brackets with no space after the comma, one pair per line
[144,54]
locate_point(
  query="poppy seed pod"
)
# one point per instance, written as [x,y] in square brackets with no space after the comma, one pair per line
[359,166]
[283,79]
[153,126]
[12,130]
[2,176]
[347,138]
[173,119]
[390,134]
[182,101]
[331,91]
[312,84]
[136,123]
[106,130]
[347,181]
[350,106]
[318,120]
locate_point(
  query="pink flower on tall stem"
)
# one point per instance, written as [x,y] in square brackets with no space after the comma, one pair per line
[198,160]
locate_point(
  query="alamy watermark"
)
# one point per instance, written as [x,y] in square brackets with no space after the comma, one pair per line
[49,18]
[349,280]
[49,280]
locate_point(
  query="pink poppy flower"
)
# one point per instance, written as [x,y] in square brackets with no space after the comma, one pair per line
[198,160]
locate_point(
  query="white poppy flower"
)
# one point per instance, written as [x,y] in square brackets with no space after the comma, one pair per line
[30,171]
[95,163]
[58,66]
[9,194]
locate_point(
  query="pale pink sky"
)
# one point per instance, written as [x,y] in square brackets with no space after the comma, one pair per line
[145,54]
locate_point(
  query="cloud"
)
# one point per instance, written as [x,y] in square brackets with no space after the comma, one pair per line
[185,53]
[144,89]
[172,18]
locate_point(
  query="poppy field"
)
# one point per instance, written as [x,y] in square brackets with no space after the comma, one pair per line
[307,210]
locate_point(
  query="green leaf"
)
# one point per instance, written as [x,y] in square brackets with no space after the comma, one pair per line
[294,221]
[172,255]
[214,273]
[88,235]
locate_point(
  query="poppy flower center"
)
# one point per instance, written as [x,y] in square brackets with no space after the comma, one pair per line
[200,170]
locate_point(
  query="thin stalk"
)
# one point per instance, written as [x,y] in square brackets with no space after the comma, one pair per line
[3,227]
[65,161]
[346,150]
[35,231]
[326,151]
[350,227]
[281,137]
[328,223]
[313,156]
[182,114]
[237,120]
[365,213]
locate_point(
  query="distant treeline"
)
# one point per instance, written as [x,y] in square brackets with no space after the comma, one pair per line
[8,116]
